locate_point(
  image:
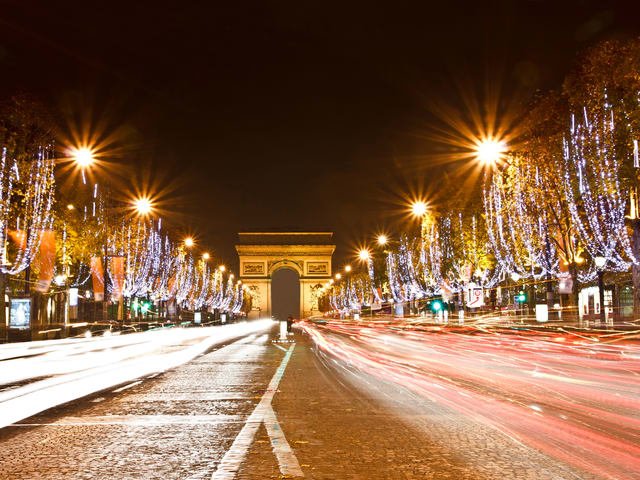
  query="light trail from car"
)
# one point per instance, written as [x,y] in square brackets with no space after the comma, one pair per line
[574,397]
[68,370]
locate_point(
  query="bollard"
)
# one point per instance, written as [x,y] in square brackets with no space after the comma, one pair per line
[283,330]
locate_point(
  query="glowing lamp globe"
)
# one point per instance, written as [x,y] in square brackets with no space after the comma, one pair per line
[490,151]
[143,206]
[82,156]
[419,209]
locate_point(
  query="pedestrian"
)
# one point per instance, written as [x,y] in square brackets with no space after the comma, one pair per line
[289,322]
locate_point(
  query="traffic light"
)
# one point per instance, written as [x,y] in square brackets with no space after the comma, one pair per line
[521,297]
[436,306]
[146,305]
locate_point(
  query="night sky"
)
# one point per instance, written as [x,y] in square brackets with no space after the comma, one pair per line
[288,115]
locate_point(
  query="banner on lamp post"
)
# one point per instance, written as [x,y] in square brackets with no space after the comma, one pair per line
[47,260]
[116,269]
[97,277]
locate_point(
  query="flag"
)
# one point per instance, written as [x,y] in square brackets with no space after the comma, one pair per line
[97,275]
[47,260]
[116,266]
[19,237]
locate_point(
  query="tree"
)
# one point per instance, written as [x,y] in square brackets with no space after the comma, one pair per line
[607,81]
[27,164]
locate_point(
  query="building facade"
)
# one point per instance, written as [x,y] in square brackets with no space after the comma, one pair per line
[262,254]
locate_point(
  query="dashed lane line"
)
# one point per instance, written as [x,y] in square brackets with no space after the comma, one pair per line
[263,413]
[127,387]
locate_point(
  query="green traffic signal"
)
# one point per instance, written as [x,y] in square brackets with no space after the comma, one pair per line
[436,305]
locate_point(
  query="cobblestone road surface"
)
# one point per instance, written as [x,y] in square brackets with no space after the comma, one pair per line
[339,424]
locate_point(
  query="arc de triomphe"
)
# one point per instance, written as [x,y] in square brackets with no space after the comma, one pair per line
[263,253]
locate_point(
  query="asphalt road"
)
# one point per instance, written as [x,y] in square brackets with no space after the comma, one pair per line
[341,407]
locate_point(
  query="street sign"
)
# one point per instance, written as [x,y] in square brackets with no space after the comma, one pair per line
[475,296]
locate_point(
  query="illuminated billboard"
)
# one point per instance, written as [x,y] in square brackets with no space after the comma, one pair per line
[20,313]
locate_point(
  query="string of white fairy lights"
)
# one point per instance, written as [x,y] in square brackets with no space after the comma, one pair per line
[522,235]
[26,200]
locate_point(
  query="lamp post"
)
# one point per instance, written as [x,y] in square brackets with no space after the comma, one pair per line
[600,264]
[420,210]
[515,276]
[365,256]
[490,151]
[143,206]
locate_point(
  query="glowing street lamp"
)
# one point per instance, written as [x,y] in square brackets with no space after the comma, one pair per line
[347,268]
[364,254]
[83,157]
[143,206]
[189,242]
[222,268]
[419,208]
[382,240]
[490,151]
[338,276]
[206,256]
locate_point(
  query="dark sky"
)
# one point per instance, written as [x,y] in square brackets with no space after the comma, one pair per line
[288,114]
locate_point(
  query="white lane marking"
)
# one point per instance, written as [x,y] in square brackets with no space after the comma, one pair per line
[281,348]
[126,387]
[287,461]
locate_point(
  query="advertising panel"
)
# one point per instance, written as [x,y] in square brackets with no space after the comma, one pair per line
[20,313]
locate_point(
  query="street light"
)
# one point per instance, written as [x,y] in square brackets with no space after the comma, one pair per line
[83,156]
[143,206]
[338,276]
[189,242]
[364,254]
[600,263]
[490,151]
[206,256]
[419,208]
[222,268]
[382,239]
[347,268]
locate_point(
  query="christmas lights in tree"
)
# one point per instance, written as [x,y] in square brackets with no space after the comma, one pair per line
[26,198]
[592,181]
[519,232]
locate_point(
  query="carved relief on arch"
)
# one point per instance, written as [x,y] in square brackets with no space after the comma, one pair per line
[275,265]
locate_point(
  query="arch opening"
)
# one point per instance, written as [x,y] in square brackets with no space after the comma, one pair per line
[285,293]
